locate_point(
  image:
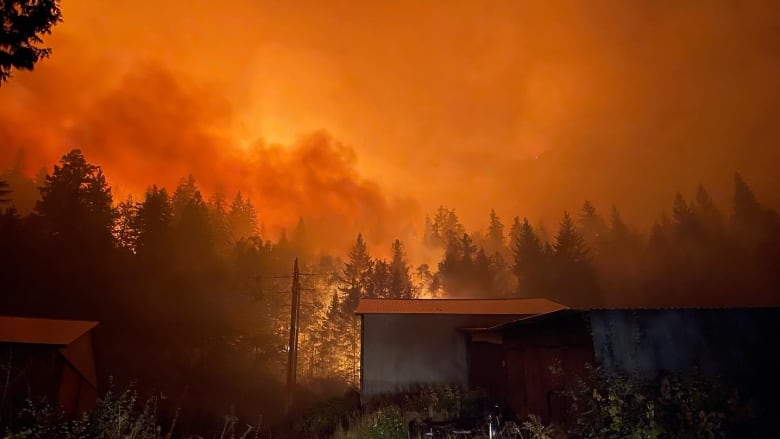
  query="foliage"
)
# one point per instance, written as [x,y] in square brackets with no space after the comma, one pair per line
[23,24]
[616,405]
[117,415]
[388,424]
[537,430]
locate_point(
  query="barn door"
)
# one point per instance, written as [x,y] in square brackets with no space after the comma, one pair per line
[533,383]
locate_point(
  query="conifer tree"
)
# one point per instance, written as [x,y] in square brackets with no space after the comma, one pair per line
[356,277]
[495,236]
[76,202]
[569,244]
[529,259]
[124,232]
[182,196]
[219,219]
[708,213]
[592,226]
[514,231]
[400,279]
[242,218]
[446,225]
[574,276]
[152,222]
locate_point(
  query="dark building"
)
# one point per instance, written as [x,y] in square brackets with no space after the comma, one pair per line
[48,358]
[411,342]
[526,356]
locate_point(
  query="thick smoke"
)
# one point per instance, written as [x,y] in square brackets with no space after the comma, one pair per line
[151,127]
[526,107]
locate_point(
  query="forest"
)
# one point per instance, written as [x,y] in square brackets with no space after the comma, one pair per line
[193,298]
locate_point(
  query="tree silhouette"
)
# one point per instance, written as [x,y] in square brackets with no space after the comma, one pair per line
[242,218]
[569,244]
[592,226]
[124,232]
[515,231]
[76,201]
[495,236]
[356,276]
[23,24]
[529,260]
[575,280]
[747,215]
[446,225]
[183,195]
[400,279]
[219,219]
[153,221]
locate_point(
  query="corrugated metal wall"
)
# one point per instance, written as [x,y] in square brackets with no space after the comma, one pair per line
[731,342]
[403,350]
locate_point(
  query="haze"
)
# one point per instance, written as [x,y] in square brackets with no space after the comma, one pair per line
[526,107]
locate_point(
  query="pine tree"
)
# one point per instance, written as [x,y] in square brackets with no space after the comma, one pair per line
[575,278]
[747,218]
[529,260]
[592,226]
[446,225]
[684,217]
[746,206]
[196,236]
[124,232]
[380,281]
[496,237]
[428,237]
[423,280]
[24,23]
[182,196]
[242,218]
[355,279]
[569,244]
[152,222]
[709,215]
[299,239]
[76,202]
[617,226]
[220,221]
[400,279]
[515,231]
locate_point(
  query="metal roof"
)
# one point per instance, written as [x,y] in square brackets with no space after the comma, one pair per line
[42,331]
[458,306]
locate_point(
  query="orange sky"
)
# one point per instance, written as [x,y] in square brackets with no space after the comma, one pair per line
[528,107]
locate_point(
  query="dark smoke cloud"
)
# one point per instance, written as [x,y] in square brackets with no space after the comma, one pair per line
[527,107]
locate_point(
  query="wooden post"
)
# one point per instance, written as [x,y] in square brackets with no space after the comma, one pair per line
[292,352]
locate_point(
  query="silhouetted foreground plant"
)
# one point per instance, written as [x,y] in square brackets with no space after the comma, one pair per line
[117,415]
[615,405]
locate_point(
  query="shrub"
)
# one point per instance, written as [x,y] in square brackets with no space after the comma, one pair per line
[388,424]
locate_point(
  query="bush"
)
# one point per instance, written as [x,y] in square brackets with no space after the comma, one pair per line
[616,405]
[388,424]
[116,416]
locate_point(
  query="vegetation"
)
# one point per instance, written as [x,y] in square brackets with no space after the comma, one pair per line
[23,24]
[187,286]
[117,415]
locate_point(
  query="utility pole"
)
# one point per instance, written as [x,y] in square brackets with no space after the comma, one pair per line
[292,352]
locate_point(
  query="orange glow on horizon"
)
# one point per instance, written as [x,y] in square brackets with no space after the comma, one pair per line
[528,108]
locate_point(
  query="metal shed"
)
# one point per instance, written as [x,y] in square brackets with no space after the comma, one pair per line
[49,358]
[426,341]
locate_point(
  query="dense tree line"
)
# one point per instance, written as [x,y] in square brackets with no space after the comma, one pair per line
[696,256]
[193,302]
